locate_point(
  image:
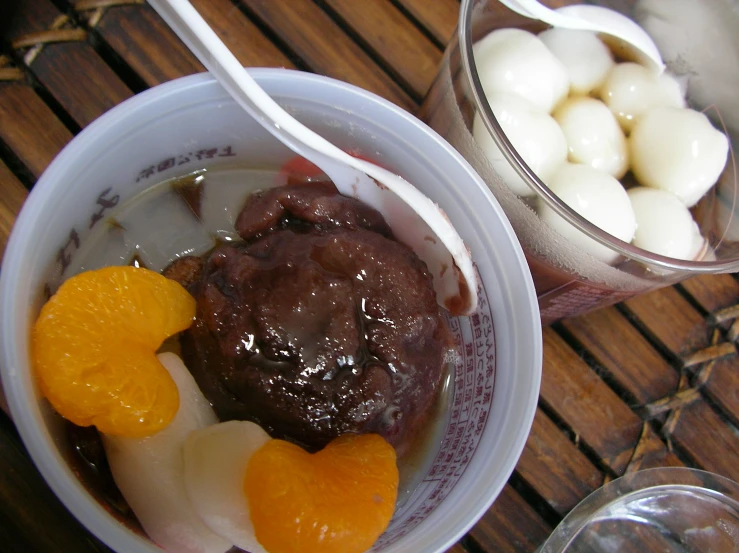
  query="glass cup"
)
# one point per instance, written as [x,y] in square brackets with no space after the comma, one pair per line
[568,279]
[670,510]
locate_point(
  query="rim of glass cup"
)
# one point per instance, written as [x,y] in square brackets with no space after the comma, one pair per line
[635,486]
[630,251]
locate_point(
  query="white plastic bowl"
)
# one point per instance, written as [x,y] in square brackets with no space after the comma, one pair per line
[143,140]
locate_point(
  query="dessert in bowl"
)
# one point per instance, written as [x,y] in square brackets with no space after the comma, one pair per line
[97,206]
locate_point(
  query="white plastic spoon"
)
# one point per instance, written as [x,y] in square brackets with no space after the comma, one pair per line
[415,219]
[599,20]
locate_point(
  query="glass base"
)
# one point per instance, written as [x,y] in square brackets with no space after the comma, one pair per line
[666,510]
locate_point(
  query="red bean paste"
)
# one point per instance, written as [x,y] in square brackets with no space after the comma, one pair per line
[318,324]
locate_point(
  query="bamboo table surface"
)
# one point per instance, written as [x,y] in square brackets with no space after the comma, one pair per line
[651,382]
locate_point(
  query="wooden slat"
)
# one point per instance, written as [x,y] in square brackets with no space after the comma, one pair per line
[722,386]
[624,353]
[72,71]
[325,48]
[651,452]
[414,59]
[241,35]
[438,17]
[128,29]
[143,40]
[713,292]
[708,440]
[456,548]
[510,526]
[555,468]
[82,84]
[11,199]
[29,127]
[587,404]
[671,320]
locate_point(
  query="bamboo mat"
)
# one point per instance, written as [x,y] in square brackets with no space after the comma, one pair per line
[650,382]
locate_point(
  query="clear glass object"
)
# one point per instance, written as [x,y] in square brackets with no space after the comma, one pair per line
[666,510]
[568,279]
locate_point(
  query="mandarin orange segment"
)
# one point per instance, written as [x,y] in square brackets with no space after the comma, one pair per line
[94,349]
[338,500]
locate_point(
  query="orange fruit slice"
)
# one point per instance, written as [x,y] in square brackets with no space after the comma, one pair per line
[338,500]
[94,349]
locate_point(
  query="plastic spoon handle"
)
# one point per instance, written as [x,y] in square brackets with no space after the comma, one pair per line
[597,19]
[553,18]
[516,7]
[411,214]
[184,19]
[615,24]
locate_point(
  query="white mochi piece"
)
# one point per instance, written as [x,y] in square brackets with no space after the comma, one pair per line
[663,224]
[678,150]
[631,90]
[586,58]
[597,197]
[593,135]
[150,472]
[514,61]
[534,134]
[215,465]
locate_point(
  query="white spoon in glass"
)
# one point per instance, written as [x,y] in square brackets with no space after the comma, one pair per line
[598,19]
[414,218]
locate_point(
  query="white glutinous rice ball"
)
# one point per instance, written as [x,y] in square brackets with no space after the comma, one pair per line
[517,62]
[593,135]
[597,197]
[150,472]
[587,59]
[215,465]
[678,150]
[534,134]
[631,90]
[663,224]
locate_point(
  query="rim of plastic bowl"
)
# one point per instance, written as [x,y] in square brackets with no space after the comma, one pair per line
[524,171]
[662,480]
[37,438]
